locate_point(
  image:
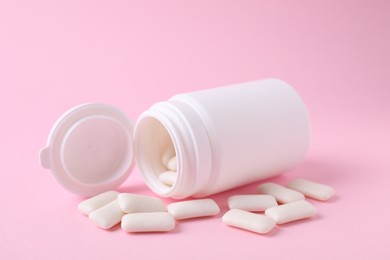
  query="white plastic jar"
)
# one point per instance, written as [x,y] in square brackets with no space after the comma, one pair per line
[223,138]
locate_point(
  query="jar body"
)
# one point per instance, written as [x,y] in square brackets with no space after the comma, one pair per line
[235,135]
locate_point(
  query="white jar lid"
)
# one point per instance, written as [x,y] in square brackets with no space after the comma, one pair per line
[90,149]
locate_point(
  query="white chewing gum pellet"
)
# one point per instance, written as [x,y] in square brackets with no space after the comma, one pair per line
[281,194]
[167,155]
[172,164]
[291,211]
[168,177]
[312,189]
[148,222]
[193,208]
[133,203]
[248,221]
[98,201]
[107,216]
[257,202]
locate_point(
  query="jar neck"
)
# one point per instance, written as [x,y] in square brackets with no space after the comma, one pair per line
[190,139]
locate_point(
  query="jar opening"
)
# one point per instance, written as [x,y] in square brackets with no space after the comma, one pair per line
[175,129]
[156,148]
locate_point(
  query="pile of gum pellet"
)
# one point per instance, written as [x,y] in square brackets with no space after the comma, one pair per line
[139,213]
[169,161]
[292,205]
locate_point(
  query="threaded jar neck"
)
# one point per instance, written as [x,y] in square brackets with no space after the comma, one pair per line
[173,126]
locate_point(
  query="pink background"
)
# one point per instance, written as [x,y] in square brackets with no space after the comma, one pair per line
[57,54]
